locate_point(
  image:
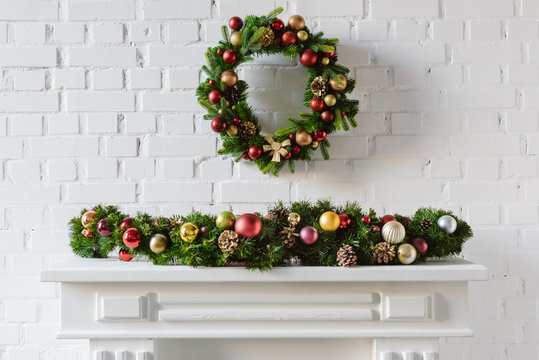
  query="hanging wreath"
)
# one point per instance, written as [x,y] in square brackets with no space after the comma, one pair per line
[224,96]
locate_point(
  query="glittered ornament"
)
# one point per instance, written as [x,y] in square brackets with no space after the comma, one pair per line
[447,223]
[296,149]
[232,130]
[126,223]
[336,86]
[302,35]
[267,37]
[293,218]
[406,254]
[344,221]
[308,58]
[329,221]
[366,220]
[248,225]
[131,237]
[384,253]
[288,38]
[303,138]
[247,130]
[235,23]
[215,97]
[229,56]
[189,232]
[330,100]
[158,243]
[319,86]
[327,116]
[87,233]
[88,218]
[388,218]
[320,135]
[296,22]
[124,255]
[237,120]
[421,245]
[393,232]
[255,152]
[346,256]
[316,104]
[225,220]
[103,228]
[235,38]
[218,124]
[309,235]
[277,25]
[229,77]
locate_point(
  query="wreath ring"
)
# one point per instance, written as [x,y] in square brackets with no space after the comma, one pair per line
[224,96]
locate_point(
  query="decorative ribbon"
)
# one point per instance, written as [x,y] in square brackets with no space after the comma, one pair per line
[276,148]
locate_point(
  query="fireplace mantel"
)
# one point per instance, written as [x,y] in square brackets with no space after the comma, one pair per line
[140,311]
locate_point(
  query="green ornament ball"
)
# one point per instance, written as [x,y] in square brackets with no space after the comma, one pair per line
[225,220]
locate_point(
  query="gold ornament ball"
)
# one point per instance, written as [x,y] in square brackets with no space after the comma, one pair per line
[188,232]
[296,22]
[220,111]
[330,99]
[335,85]
[315,144]
[303,138]
[325,60]
[329,221]
[235,38]
[227,103]
[233,107]
[88,218]
[232,130]
[294,218]
[229,77]
[302,35]
[406,254]
[393,232]
[158,243]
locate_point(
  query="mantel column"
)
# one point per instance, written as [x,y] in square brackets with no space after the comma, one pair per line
[122,349]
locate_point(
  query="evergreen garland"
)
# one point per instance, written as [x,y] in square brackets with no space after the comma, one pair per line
[267,249]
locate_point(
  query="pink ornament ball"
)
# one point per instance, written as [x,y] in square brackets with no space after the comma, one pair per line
[309,235]
[421,245]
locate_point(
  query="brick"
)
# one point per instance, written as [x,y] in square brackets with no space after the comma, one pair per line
[26,125]
[445,168]
[107,33]
[24,171]
[12,240]
[61,171]
[177,192]
[498,98]
[372,77]
[189,79]
[178,168]
[145,32]
[122,147]
[181,124]
[396,8]
[446,74]
[28,57]
[410,53]
[101,102]
[498,53]
[447,30]
[416,191]
[531,191]
[63,124]
[483,168]
[339,28]
[519,29]
[105,193]
[341,191]
[9,334]
[371,30]
[530,8]
[479,8]
[343,146]
[101,169]
[28,10]
[523,74]
[520,167]
[146,79]
[102,10]
[483,214]
[477,145]
[387,168]
[229,8]
[17,353]
[338,8]
[69,79]
[518,121]
[29,195]
[108,79]
[10,148]
[178,101]
[140,123]
[177,10]
[533,145]
[481,122]
[47,147]
[410,145]
[69,33]
[26,34]
[405,100]
[41,333]
[94,56]
[522,214]
[29,102]
[408,30]
[138,169]
[17,311]
[409,76]
[182,146]
[3,33]
[485,30]
[102,123]
[183,33]
[482,191]
[29,80]
[216,169]
[250,192]
[175,55]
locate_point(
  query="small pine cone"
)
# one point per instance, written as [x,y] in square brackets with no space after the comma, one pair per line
[278,213]
[384,253]
[289,236]
[346,256]
[247,130]
[267,37]
[232,94]
[319,86]
[228,241]
[175,220]
[425,224]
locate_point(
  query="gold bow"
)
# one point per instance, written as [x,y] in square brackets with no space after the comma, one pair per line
[276,148]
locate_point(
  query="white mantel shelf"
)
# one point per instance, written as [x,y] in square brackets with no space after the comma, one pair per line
[139,311]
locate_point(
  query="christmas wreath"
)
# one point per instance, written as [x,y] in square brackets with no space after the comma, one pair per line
[301,234]
[224,96]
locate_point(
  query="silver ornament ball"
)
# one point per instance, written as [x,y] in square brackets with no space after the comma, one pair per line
[447,223]
[393,232]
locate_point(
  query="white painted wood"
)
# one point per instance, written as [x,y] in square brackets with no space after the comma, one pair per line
[406,307]
[121,307]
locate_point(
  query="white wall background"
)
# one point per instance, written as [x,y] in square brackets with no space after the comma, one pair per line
[97,106]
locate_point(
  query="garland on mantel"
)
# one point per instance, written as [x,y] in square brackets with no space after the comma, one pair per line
[319,234]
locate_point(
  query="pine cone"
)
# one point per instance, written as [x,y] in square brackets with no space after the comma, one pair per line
[175,220]
[228,241]
[289,236]
[346,256]
[247,130]
[267,37]
[425,224]
[278,213]
[319,86]
[384,252]
[232,94]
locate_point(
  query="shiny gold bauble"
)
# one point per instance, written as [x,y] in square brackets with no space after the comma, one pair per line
[329,221]
[302,35]
[303,138]
[315,144]
[158,243]
[335,86]
[235,38]
[233,107]
[293,218]
[188,232]
[324,61]
[229,77]
[232,130]
[296,22]
[393,232]
[227,103]
[406,254]
[330,99]
[88,218]
[220,111]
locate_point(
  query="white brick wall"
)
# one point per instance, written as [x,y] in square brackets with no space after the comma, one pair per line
[97,104]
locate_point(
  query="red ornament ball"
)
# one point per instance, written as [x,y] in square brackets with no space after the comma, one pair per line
[289,38]
[218,124]
[245,156]
[296,149]
[343,112]
[126,223]
[255,152]
[237,120]
[277,25]
[327,116]
[330,54]
[219,51]
[316,104]
[292,137]
[421,245]
[87,233]
[212,82]
[345,221]
[308,57]
[406,221]
[388,218]
[309,235]
[215,96]
[248,225]
[376,228]
[229,57]
[235,23]
[125,256]
[366,220]
[102,228]
[131,237]
[288,155]
[320,135]
[278,40]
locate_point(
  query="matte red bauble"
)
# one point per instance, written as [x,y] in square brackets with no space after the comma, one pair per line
[296,149]
[388,218]
[125,256]
[102,228]
[327,116]
[288,155]
[219,51]
[320,135]
[308,235]
[235,23]
[316,104]
[131,237]
[343,112]
[421,245]
[255,152]
[218,124]
[308,58]
[345,221]
[245,156]
[248,225]
[366,220]
[229,56]
[289,38]
[277,24]
[237,120]
[215,96]
[126,223]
